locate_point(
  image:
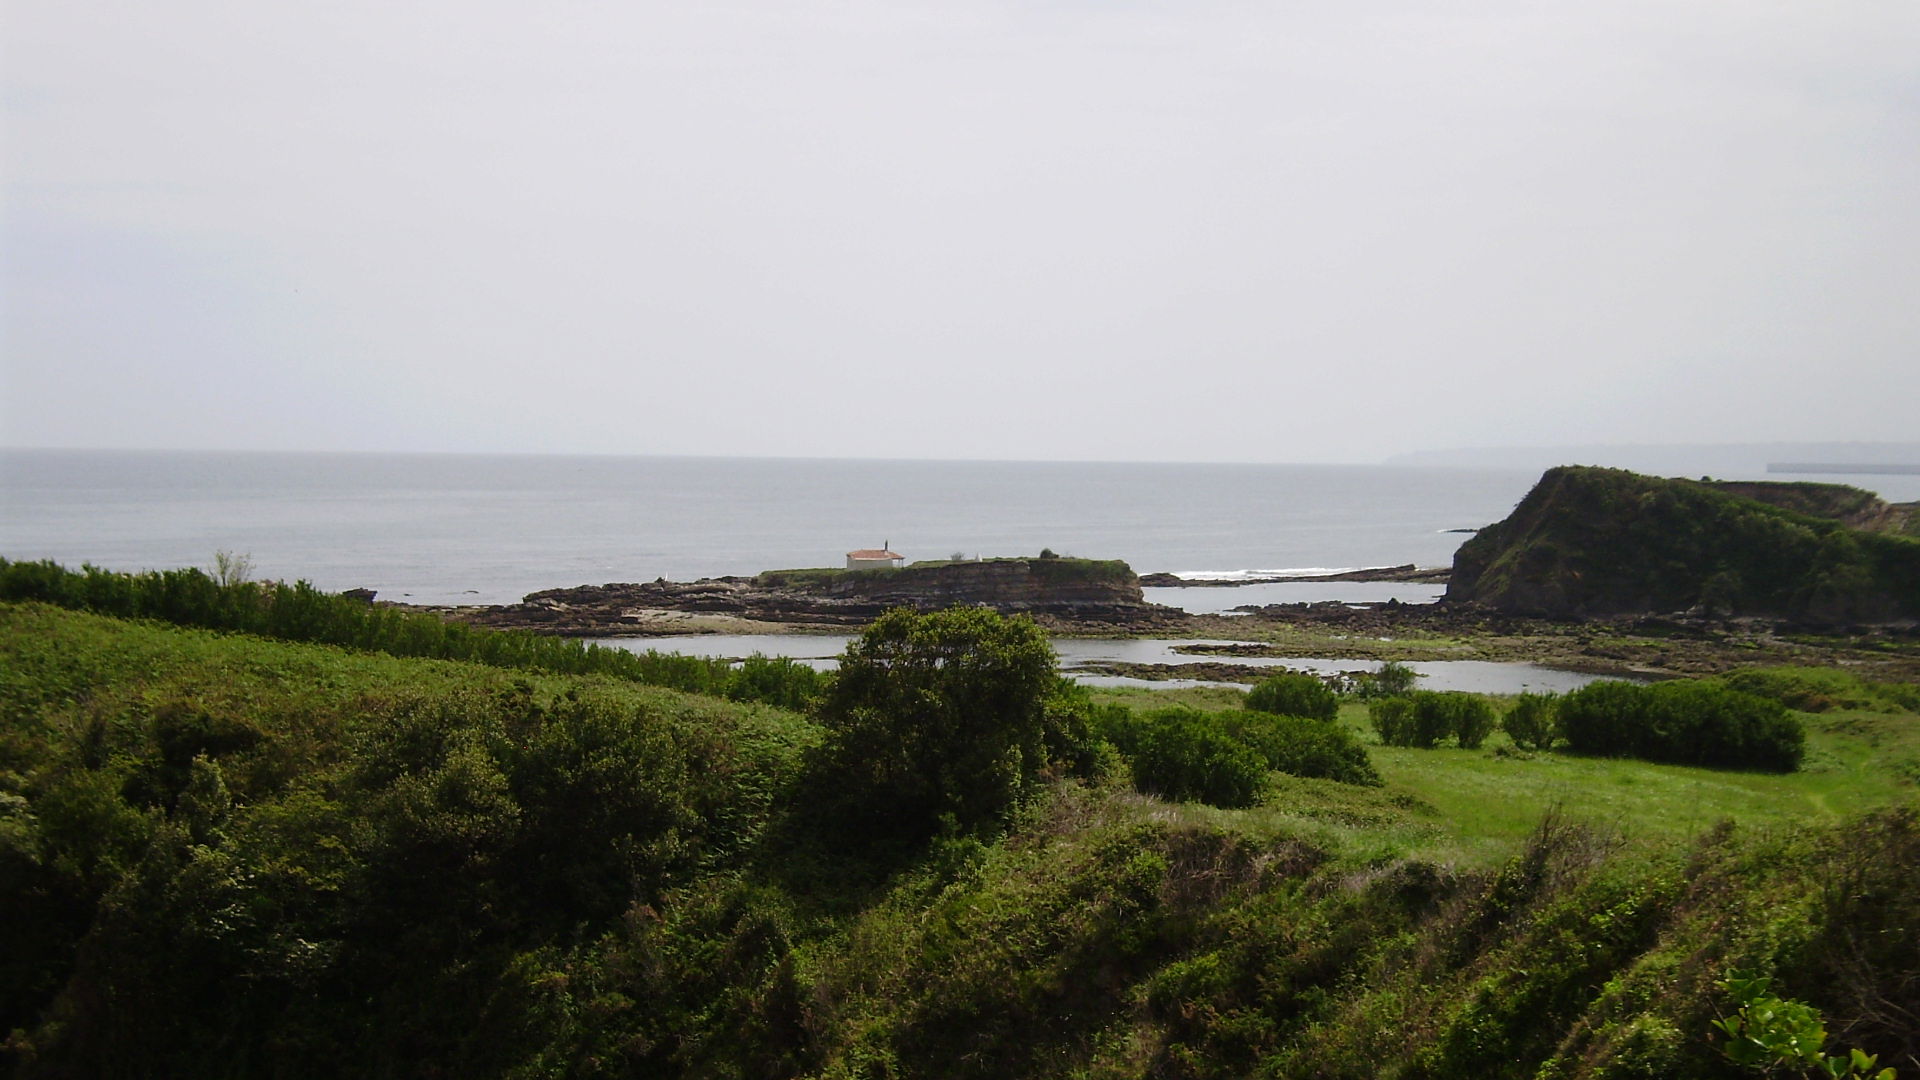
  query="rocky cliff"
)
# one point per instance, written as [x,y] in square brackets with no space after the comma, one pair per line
[1590,541]
[1082,592]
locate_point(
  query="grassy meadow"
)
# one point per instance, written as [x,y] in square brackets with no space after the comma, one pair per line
[1479,806]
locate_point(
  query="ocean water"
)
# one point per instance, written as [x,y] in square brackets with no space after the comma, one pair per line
[488,529]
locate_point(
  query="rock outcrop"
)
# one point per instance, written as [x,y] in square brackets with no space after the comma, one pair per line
[1594,542]
[1080,592]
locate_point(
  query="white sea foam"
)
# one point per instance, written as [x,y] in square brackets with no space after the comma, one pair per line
[1254,575]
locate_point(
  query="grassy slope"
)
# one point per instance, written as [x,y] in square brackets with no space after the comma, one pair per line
[62,667]
[1430,927]
[419,829]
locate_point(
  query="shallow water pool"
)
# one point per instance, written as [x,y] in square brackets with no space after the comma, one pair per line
[823,650]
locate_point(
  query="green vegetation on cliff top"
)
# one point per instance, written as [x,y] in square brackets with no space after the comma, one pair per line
[1592,541]
[1055,571]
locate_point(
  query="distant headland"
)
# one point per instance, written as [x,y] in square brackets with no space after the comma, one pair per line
[1589,542]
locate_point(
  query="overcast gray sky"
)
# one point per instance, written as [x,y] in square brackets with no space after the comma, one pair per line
[1138,230]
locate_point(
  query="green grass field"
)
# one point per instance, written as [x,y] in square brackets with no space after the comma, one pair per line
[1479,806]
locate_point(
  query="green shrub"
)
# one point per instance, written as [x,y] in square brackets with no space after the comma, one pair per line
[1603,717]
[1294,693]
[1303,746]
[1182,754]
[1392,719]
[1684,722]
[1767,1033]
[1069,724]
[936,715]
[1422,719]
[1467,717]
[1531,721]
[776,680]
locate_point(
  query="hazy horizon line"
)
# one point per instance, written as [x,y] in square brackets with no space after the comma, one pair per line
[1409,458]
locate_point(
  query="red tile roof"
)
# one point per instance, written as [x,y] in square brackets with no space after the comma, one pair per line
[874,553]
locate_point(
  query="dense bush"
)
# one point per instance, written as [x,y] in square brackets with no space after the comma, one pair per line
[1184,754]
[231,856]
[1685,722]
[1468,717]
[1423,718]
[1221,757]
[1303,746]
[938,715]
[1603,717]
[1532,721]
[1294,693]
[1392,719]
[776,680]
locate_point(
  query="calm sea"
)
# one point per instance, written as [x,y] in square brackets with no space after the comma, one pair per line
[471,528]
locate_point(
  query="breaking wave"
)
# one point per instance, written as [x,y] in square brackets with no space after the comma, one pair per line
[1254,575]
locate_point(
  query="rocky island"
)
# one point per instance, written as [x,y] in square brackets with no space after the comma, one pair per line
[1078,594]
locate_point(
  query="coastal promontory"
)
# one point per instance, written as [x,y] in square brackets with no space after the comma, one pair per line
[1589,542]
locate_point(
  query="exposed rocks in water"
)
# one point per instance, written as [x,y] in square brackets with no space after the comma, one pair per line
[1390,616]
[1466,619]
[1408,572]
[1072,594]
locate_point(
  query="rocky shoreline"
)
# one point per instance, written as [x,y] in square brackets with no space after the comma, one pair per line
[1639,645]
[1636,646]
[1074,597]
